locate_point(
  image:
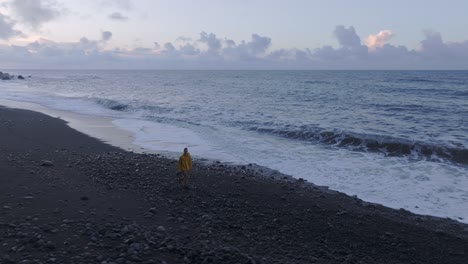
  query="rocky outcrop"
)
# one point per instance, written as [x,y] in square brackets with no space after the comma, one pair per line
[6,76]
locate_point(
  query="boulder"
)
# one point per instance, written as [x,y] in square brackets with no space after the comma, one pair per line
[5,76]
[20,77]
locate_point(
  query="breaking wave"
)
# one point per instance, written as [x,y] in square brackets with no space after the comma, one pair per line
[112,104]
[373,143]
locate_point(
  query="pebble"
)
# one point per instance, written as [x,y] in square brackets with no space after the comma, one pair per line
[47,163]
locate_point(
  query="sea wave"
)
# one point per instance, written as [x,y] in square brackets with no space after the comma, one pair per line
[354,141]
[373,143]
[112,104]
[419,80]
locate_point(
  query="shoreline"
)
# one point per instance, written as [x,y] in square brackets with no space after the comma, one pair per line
[106,130]
[98,203]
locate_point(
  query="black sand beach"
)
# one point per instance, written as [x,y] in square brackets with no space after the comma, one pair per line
[69,198]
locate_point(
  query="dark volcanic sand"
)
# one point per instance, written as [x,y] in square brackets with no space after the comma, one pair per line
[100,204]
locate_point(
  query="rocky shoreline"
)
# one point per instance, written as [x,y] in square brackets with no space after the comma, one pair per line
[68,198]
[6,76]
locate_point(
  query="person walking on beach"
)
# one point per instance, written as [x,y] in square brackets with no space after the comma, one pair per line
[184,167]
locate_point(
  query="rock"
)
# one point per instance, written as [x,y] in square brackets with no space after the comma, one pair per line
[50,245]
[161,229]
[47,163]
[5,76]
[20,77]
[148,215]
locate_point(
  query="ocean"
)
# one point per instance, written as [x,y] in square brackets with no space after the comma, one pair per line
[397,138]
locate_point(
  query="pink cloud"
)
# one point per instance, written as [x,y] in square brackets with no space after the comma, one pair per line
[378,40]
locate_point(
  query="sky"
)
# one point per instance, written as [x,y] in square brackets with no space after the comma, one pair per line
[234,34]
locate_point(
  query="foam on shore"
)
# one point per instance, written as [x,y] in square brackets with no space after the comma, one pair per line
[438,189]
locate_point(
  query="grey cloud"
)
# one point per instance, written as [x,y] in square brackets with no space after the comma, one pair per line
[256,53]
[35,12]
[347,37]
[230,43]
[328,53]
[106,35]
[459,48]
[169,47]
[49,54]
[350,47]
[433,42]
[247,50]
[434,51]
[118,16]
[258,44]
[86,44]
[156,46]
[189,49]
[141,50]
[392,52]
[6,28]
[213,43]
[291,55]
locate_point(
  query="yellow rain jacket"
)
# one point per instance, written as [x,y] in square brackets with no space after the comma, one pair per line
[185,163]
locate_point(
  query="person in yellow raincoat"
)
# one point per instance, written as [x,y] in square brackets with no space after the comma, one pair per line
[184,167]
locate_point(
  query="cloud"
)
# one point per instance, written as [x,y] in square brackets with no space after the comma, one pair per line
[86,45]
[229,43]
[6,28]
[378,40]
[212,52]
[434,48]
[433,45]
[258,44]
[156,46]
[45,53]
[169,48]
[350,48]
[118,16]
[189,49]
[251,50]
[347,37]
[213,43]
[106,35]
[35,12]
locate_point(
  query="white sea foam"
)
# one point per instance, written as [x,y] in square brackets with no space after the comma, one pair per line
[424,187]
[168,138]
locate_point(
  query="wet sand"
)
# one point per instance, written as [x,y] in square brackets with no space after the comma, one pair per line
[68,198]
